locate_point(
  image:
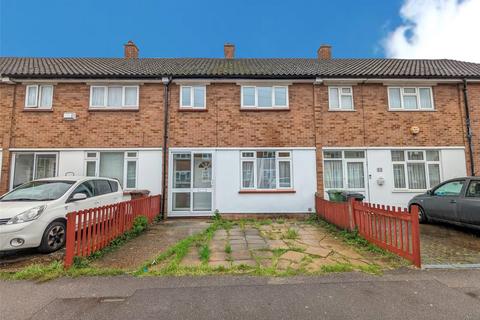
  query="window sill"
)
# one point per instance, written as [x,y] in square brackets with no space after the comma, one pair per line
[191,110]
[409,191]
[136,109]
[412,110]
[342,110]
[37,110]
[268,191]
[264,109]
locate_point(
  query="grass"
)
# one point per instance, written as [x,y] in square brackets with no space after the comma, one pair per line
[204,253]
[228,249]
[290,234]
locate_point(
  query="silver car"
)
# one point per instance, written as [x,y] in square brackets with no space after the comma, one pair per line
[455,201]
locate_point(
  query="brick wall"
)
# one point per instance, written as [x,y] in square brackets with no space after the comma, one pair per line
[474,106]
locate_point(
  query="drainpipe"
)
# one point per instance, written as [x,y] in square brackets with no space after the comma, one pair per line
[166,82]
[469,127]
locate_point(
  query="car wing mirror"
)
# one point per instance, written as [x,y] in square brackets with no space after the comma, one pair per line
[78,196]
[430,192]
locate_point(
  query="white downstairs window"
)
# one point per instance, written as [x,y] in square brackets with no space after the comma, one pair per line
[114,97]
[120,165]
[266,170]
[39,97]
[416,169]
[344,169]
[410,98]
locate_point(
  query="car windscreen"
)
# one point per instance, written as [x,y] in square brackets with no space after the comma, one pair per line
[38,191]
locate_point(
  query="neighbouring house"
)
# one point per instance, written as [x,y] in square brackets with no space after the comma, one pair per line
[244,135]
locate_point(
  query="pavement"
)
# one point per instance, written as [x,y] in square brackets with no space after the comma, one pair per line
[401,294]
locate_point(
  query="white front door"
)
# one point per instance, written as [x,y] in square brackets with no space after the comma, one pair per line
[191,187]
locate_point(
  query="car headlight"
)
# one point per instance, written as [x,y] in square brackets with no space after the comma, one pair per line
[29,215]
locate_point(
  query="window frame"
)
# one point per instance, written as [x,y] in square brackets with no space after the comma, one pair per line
[192,96]
[126,158]
[417,95]
[273,107]
[339,96]
[105,105]
[278,159]
[38,97]
[345,161]
[34,171]
[426,163]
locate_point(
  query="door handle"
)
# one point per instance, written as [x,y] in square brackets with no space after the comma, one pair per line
[453,201]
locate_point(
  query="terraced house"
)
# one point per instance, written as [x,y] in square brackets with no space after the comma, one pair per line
[242,135]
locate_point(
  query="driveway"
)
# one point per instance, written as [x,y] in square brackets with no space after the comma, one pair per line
[445,245]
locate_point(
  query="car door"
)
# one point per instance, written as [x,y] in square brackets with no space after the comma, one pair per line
[469,205]
[105,194]
[443,203]
[87,188]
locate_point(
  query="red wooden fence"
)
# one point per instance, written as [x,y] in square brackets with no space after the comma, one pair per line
[393,229]
[93,229]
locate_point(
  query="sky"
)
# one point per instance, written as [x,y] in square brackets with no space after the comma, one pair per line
[261,28]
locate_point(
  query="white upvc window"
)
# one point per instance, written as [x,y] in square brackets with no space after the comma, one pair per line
[344,169]
[264,97]
[39,96]
[410,98]
[193,97]
[114,97]
[119,165]
[266,170]
[416,169]
[28,166]
[340,98]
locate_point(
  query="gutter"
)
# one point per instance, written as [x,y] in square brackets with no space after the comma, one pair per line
[469,127]
[166,82]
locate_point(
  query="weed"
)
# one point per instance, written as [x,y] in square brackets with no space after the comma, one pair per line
[228,249]
[338,267]
[217,216]
[291,234]
[204,253]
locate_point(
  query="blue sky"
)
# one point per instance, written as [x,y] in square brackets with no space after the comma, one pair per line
[88,28]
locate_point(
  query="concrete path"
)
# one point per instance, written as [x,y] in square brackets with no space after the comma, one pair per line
[408,294]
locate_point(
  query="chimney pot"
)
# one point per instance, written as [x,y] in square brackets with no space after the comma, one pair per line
[229,50]
[324,52]
[130,50]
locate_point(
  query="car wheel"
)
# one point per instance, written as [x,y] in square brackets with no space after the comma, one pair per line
[53,237]
[422,217]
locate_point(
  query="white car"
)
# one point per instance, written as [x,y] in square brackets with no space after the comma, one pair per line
[33,215]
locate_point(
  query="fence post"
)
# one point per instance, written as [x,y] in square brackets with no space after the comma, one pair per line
[70,239]
[415,236]
[351,214]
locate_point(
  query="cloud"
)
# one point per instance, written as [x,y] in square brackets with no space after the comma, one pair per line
[436,29]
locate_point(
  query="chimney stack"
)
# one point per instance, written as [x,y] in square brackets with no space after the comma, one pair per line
[229,50]
[324,52]
[131,50]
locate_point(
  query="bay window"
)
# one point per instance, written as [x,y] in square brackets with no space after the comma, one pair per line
[114,97]
[193,97]
[416,169]
[344,169]
[122,166]
[33,165]
[264,97]
[266,170]
[410,98]
[340,98]
[39,96]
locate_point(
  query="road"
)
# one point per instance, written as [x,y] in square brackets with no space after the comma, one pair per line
[406,294]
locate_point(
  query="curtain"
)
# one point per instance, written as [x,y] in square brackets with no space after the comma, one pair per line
[434,174]
[399,176]
[186,100]
[199,97]
[247,174]
[333,98]
[280,96]
[355,175]
[333,174]
[91,168]
[32,96]
[410,102]
[264,96]
[111,165]
[425,98]
[23,171]
[248,96]
[131,94]
[45,166]
[114,96]
[46,94]
[284,174]
[98,96]
[347,102]
[416,176]
[395,102]
[266,173]
[131,174]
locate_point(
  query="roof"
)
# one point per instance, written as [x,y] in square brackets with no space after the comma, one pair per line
[286,68]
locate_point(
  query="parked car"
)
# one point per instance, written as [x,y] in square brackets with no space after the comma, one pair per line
[33,215]
[455,201]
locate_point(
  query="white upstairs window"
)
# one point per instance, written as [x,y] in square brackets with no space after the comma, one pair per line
[264,97]
[39,96]
[193,97]
[340,98]
[114,97]
[410,98]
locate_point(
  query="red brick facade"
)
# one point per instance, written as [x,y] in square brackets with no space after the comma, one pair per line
[307,123]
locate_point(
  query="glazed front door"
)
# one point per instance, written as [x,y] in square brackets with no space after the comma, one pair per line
[192,187]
